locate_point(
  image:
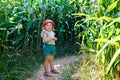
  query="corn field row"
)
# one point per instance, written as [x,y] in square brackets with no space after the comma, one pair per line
[82,26]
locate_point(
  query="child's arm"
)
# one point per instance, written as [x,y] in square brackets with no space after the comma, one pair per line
[46,39]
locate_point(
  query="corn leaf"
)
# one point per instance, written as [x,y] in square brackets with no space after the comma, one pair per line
[81,14]
[100,1]
[112,6]
[113,60]
[117,38]
[101,40]
[106,18]
[115,20]
[91,18]
[110,31]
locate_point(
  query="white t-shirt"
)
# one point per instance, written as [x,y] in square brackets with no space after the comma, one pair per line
[49,35]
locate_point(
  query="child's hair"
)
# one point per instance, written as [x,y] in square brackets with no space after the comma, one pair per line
[48,21]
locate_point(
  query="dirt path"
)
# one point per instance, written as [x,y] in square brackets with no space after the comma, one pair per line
[59,63]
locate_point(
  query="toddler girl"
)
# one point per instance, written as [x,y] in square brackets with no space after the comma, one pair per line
[49,39]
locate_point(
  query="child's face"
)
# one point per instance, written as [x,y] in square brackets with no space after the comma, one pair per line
[48,27]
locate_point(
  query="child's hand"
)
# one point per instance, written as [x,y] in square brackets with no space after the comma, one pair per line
[54,38]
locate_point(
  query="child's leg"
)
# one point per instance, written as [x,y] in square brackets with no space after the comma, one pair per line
[51,61]
[46,63]
[46,73]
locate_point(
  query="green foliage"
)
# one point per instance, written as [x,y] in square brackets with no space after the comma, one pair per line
[81,26]
[18,67]
[100,33]
[20,32]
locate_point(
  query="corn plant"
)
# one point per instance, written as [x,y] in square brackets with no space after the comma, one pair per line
[99,31]
[20,28]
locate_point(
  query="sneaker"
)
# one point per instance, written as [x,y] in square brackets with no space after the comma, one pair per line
[54,71]
[47,73]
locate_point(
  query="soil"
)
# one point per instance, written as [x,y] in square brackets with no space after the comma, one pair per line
[59,63]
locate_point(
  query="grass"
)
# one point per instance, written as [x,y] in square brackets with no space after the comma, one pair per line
[86,68]
[22,67]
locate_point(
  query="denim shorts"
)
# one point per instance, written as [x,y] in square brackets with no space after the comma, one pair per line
[49,49]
